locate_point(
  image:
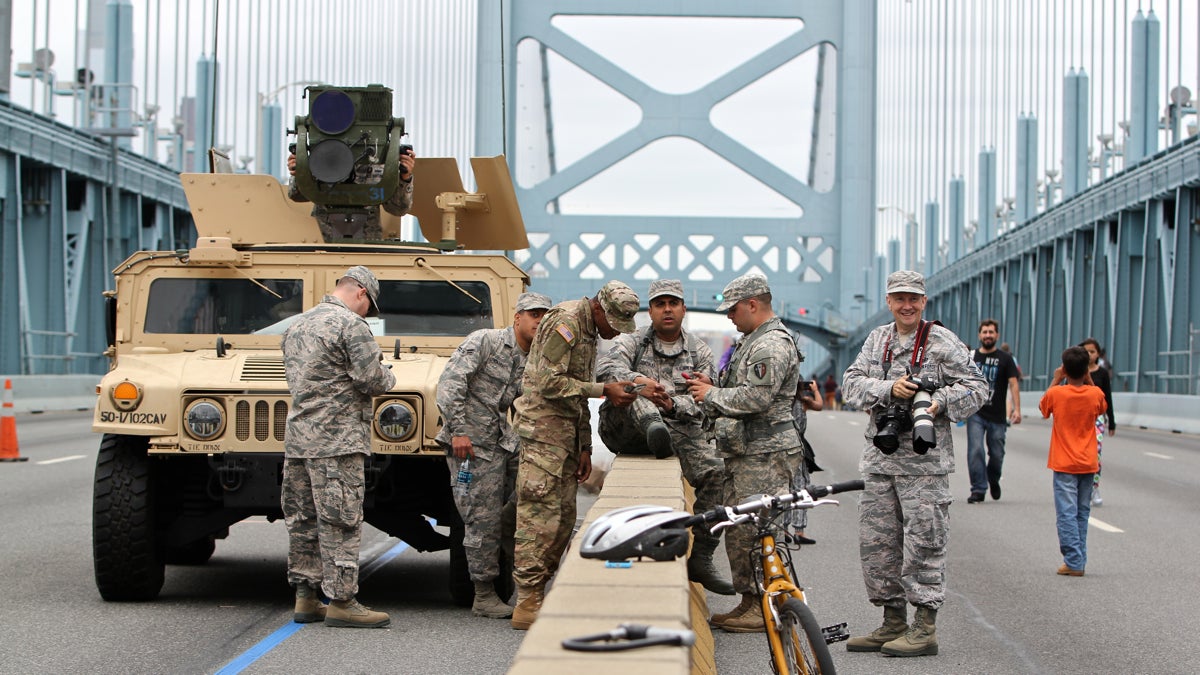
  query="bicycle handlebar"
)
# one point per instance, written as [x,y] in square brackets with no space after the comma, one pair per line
[806,498]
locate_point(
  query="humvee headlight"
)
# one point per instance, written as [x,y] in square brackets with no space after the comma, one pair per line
[126,395]
[396,421]
[205,419]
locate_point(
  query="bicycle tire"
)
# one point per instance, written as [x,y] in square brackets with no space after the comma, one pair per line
[803,647]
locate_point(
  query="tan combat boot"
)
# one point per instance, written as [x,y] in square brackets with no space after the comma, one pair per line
[921,638]
[701,570]
[488,604]
[309,608]
[895,624]
[749,621]
[749,600]
[352,614]
[529,603]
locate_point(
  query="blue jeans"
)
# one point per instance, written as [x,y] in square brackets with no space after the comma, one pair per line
[984,468]
[1073,505]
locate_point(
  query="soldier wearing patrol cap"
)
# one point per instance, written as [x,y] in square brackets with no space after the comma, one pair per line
[664,417]
[333,367]
[475,394]
[554,423]
[905,507]
[752,411]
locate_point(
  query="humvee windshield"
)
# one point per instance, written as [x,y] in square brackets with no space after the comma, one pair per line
[230,306]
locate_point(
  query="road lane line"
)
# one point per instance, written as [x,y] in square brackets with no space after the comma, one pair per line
[1104,526]
[248,657]
[60,459]
[1155,455]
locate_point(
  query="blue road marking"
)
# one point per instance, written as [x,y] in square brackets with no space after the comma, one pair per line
[272,641]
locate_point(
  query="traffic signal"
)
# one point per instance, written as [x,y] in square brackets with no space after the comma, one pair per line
[803,311]
[719,297]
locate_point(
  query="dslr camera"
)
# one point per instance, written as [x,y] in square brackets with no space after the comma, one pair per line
[905,416]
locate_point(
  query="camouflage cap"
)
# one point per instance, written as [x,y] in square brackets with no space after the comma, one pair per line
[620,304]
[906,281]
[528,301]
[672,287]
[746,286]
[367,280]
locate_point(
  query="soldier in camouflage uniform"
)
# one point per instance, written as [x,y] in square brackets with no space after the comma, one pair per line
[333,368]
[554,423]
[904,511]
[365,225]
[752,411]
[474,395]
[664,416]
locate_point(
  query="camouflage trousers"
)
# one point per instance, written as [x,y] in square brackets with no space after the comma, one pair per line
[546,490]
[747,476]
[797,519]
[488,509]
[323,509]
[625,428]
[903,527]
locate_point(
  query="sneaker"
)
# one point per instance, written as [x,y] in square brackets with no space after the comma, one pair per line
[1069,571]
[1097,500]
[995,489]
[975,498]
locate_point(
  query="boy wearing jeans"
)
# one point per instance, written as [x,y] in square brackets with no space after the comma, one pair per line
[1073,455]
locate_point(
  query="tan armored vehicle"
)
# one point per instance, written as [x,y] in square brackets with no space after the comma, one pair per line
[194,407]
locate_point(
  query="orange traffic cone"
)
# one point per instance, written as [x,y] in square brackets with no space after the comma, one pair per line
[9,452]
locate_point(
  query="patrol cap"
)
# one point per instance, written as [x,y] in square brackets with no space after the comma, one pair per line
[367,280]
[906,281]
[620,304]
[746,286]
[528,301]
[671,287]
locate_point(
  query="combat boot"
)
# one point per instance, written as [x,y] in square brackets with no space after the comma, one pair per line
[749,621]
[921,638]
[488,604]
[700,567]
[309,608]
[658,439]
[895,624]
[529,603]
[748,600]
[352,614]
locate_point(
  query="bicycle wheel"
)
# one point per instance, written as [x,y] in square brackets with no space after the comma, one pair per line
[804,651]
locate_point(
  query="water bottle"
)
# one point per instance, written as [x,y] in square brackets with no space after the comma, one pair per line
[462,481]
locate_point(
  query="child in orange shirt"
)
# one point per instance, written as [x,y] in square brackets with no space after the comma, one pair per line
[1073,455]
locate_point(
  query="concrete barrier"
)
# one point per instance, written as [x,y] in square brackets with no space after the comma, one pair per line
[589,597]
[1168,412]
[53,393]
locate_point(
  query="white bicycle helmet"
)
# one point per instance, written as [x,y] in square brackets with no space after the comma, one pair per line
[637,531]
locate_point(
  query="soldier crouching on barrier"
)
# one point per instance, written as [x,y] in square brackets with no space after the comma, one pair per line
[333,367]
[664,419]
[904,510]
[364,224]
[474,395]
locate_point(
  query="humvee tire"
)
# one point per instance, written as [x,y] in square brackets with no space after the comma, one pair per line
[128,564]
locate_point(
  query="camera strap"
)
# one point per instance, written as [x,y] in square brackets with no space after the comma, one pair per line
[918,352]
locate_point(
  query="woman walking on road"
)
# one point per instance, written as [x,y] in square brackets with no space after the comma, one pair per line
[1104,423]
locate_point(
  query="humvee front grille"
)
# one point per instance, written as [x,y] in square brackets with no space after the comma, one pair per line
[262,368]
[265,419]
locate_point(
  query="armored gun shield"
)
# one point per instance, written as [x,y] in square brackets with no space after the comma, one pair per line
[348,147]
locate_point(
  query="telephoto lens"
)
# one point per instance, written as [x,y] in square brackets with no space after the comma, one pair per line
[924,437]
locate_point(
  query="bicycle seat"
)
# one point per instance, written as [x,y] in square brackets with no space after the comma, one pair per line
[636,531]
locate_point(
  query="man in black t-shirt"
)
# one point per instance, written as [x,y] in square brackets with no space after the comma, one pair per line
[987,428]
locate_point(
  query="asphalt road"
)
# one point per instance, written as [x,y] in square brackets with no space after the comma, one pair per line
[1007,612]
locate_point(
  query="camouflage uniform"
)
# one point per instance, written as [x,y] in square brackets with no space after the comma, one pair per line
[364,225]
[626,427]
[554,423]
[474,395]
[904,511]
[752,409]
[333,369]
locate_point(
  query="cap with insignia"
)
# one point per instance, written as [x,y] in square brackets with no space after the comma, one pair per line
[906,281]
[671,287]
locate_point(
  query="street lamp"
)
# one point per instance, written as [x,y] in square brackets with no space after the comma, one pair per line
[270,120]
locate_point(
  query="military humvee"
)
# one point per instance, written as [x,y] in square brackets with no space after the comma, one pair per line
[194,406]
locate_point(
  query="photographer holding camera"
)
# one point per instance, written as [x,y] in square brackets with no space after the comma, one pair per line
[915,377]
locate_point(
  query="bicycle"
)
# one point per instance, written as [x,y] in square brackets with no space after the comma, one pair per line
[798,644]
